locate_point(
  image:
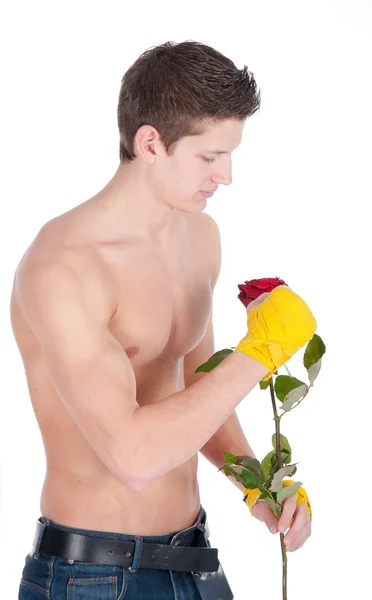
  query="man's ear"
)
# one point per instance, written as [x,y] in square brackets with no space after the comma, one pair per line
[147,143]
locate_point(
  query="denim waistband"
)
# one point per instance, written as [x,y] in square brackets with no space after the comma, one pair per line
[178,537]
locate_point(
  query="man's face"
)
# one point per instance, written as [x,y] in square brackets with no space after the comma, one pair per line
[198,163]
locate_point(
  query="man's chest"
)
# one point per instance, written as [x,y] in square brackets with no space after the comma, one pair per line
[163,303]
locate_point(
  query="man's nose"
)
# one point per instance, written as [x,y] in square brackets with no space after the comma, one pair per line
[222,179]
[223,175]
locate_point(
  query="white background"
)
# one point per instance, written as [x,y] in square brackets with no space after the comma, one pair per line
[297,209]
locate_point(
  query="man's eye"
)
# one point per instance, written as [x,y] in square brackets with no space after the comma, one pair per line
[208,160]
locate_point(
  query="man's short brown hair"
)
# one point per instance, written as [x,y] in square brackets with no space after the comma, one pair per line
[176,88]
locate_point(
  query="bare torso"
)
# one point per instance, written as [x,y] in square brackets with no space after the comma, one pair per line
[161,301]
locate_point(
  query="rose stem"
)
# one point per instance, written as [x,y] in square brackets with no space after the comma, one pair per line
[280,465]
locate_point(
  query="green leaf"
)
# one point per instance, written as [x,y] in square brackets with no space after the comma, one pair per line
[273,506]
[285,457]
[285,384]
[266,465]
[294,396]
[230,471]
[265,384]
[274,468]
[288,491]
[284,443]
[230,458]
[213,361]
[270,502]
[248,479]
[269,464]
[314,351]
[292,472]
[313,371]
[277,479]
[250,463]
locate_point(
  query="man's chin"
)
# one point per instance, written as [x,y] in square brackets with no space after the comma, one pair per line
[190,209]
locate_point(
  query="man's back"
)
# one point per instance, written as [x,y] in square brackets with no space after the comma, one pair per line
[158,304]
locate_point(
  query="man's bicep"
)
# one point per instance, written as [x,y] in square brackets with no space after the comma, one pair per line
[199,355]
[87,365]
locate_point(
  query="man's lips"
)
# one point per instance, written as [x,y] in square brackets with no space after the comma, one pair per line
[207,193]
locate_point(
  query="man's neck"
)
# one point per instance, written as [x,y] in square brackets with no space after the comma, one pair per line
[126,206]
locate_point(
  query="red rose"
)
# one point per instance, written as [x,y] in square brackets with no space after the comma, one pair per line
[252,289]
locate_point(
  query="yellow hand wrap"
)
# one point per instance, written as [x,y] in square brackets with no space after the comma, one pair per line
[301,498]
[277,329]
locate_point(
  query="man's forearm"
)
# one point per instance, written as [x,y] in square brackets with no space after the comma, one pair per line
[230,437]
[169,432]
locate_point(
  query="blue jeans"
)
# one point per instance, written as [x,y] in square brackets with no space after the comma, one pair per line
[47,577]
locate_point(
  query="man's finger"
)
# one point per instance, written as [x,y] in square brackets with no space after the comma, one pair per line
[289,508]
[263,513]
[300,530]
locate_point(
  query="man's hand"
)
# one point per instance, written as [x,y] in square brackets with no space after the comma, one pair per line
[300,530]
[278,326]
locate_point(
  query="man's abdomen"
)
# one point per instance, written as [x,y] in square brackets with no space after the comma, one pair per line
[103,503]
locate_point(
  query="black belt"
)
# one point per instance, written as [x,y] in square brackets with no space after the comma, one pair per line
[88,549]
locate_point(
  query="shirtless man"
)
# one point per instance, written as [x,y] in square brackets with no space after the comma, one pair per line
[112,312]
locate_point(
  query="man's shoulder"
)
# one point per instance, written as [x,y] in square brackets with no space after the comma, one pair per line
[62,271]
[48,255]
[206,225]
[47,251]
[205,220]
